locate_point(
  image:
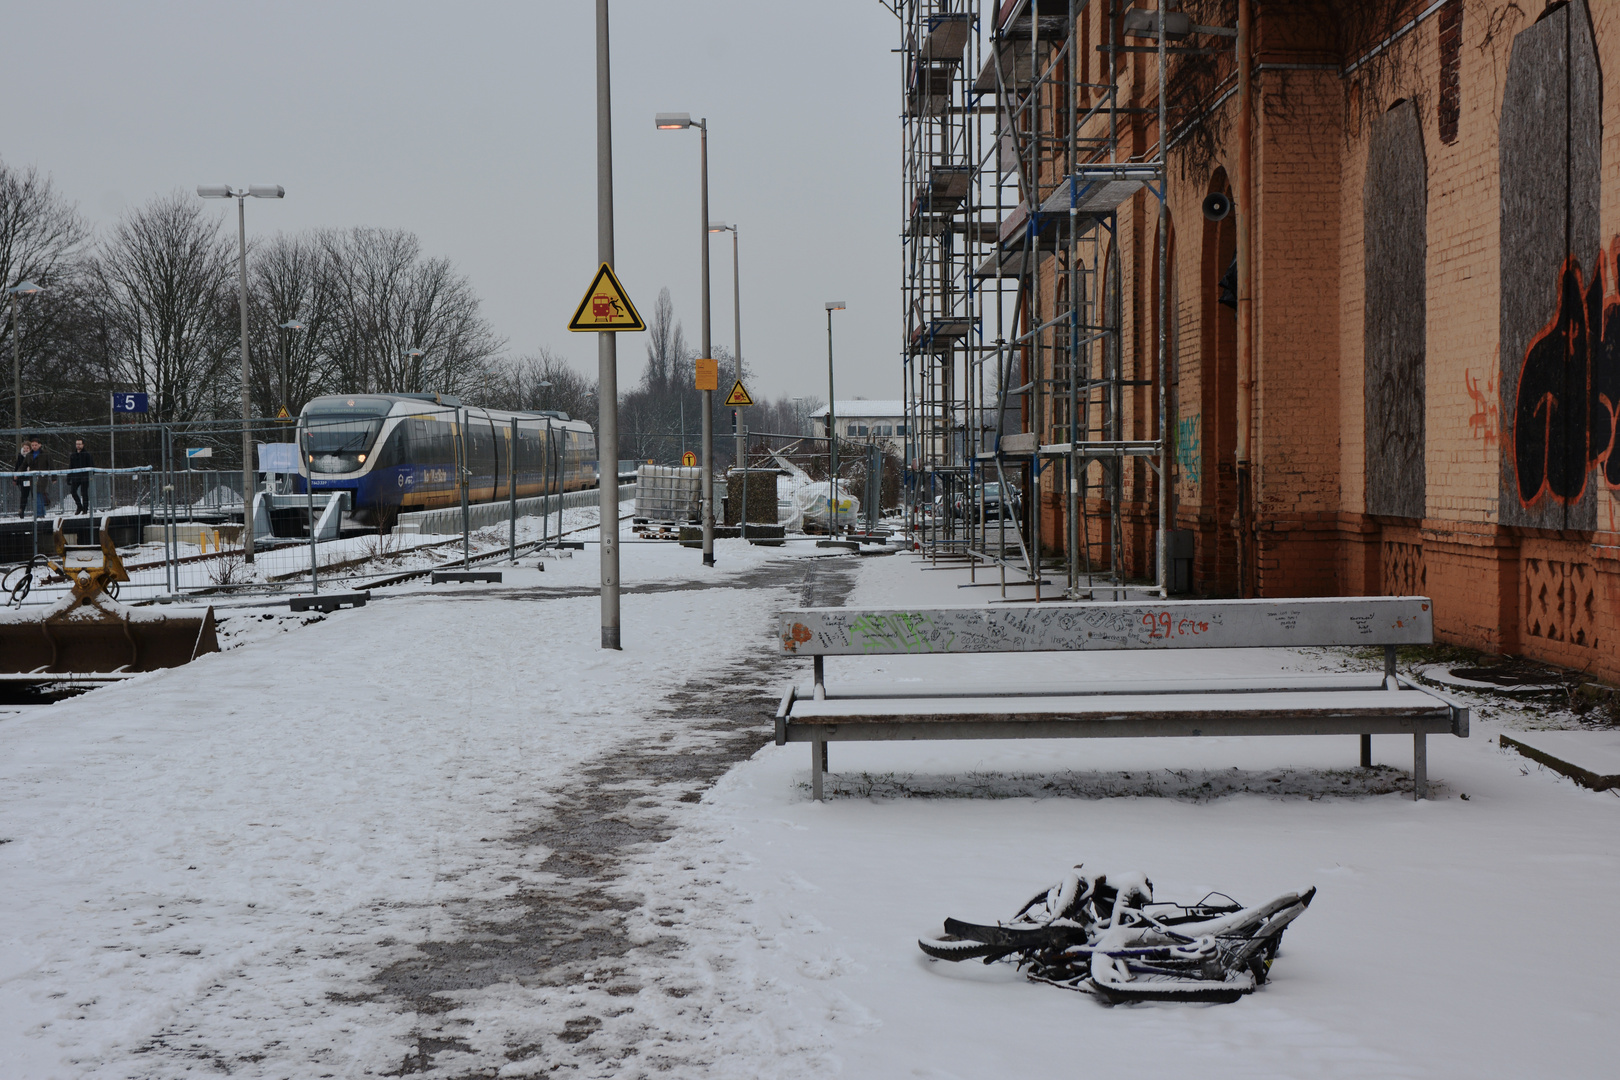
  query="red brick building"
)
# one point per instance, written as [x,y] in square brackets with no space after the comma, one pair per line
[1432,375]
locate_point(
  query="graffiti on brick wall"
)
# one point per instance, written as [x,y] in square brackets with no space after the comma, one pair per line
[1484,421]
[1550,173]
[1189,447]
[1568,400]
[1560,601]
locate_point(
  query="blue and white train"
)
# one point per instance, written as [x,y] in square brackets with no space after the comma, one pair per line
[401,452]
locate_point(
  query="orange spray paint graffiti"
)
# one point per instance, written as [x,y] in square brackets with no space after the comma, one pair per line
[1482,425]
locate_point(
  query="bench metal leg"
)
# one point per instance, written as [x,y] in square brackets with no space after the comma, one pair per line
[821,678]
[1366,751]
[818,763]
[1420,767]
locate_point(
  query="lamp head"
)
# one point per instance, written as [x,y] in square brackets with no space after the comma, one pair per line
[673,121]
[835,305]
[25,288]
[293,324]
[267,191]
[720,226]
[215,191]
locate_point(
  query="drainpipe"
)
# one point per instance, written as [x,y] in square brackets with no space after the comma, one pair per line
[1245,297]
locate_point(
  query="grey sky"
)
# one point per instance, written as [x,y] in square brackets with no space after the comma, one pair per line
[472,124]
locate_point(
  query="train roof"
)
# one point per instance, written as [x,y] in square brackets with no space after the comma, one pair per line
[395,404]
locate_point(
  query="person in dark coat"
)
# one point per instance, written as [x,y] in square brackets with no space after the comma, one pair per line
[32,459]
[79,482]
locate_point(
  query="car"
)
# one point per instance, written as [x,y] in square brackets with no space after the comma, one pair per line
[966,504]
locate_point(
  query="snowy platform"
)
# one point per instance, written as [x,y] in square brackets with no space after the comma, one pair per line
[1590,758]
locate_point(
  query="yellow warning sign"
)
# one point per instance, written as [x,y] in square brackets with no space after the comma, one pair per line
[708,374]
[606,307]
[689,459]
[739,395]
[282,415]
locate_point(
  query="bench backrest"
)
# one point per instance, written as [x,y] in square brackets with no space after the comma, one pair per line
[1063,627]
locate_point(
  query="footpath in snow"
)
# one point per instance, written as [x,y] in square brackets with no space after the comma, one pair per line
[445,834]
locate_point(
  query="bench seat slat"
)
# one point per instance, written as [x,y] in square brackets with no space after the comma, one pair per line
[1354,681]
[1284,703]
[1132,726]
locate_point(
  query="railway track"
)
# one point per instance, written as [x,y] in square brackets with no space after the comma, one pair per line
[489,556]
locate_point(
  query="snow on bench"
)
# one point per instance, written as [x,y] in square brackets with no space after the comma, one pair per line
[1364,704]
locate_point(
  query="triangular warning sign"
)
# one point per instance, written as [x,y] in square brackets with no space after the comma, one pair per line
[283,414]
[606,307]
[739,395]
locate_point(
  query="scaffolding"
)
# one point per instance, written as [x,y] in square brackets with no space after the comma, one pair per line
[1013,352]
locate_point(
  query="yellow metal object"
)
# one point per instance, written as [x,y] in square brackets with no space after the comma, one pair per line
[90,632]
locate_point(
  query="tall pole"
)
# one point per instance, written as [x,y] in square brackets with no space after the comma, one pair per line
[832,438]
[247,387]
[16,369]
[607,350]
[708,395]
[736,344]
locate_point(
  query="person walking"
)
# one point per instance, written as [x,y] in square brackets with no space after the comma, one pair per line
[79,482]
[32,459]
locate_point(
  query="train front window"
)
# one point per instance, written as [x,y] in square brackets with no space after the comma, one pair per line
[339,442]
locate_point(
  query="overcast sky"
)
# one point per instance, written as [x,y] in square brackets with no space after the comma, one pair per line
[473,125]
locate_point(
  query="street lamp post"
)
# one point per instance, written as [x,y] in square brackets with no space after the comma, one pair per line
[294,326]
[832,428]
[414,359]
[736,336]
[22,288]
[257,191]
[676,122]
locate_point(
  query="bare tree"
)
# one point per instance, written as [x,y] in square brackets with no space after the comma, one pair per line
[392,302]
[288,283]
[541,382]
[165,310]
[41,240]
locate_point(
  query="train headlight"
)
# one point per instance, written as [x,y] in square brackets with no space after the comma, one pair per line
[362,459]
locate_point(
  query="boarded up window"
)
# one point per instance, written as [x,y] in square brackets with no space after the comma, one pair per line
[1550,135]
[1450,62]
[1395,206]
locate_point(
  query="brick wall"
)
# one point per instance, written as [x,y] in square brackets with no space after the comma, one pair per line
[1552,595]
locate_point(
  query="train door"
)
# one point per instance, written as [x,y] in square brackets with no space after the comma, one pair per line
[502,438]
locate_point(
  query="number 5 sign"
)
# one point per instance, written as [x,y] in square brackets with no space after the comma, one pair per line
[129,403]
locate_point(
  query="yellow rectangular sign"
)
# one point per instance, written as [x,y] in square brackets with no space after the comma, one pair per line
[708,374]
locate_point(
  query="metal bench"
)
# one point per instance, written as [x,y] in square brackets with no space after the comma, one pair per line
[1364,704]
[328,602]
[490,576]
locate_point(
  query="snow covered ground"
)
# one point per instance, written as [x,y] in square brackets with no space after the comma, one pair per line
[244,865]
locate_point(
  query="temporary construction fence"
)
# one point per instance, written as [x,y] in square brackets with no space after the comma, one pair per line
[180,530]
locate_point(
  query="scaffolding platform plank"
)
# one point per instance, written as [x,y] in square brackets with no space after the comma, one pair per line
[948,35]
[937,333]
[1092,194]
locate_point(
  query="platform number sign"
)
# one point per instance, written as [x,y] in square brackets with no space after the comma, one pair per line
[129,403]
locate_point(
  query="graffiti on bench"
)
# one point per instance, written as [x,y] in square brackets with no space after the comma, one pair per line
[1064,627]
